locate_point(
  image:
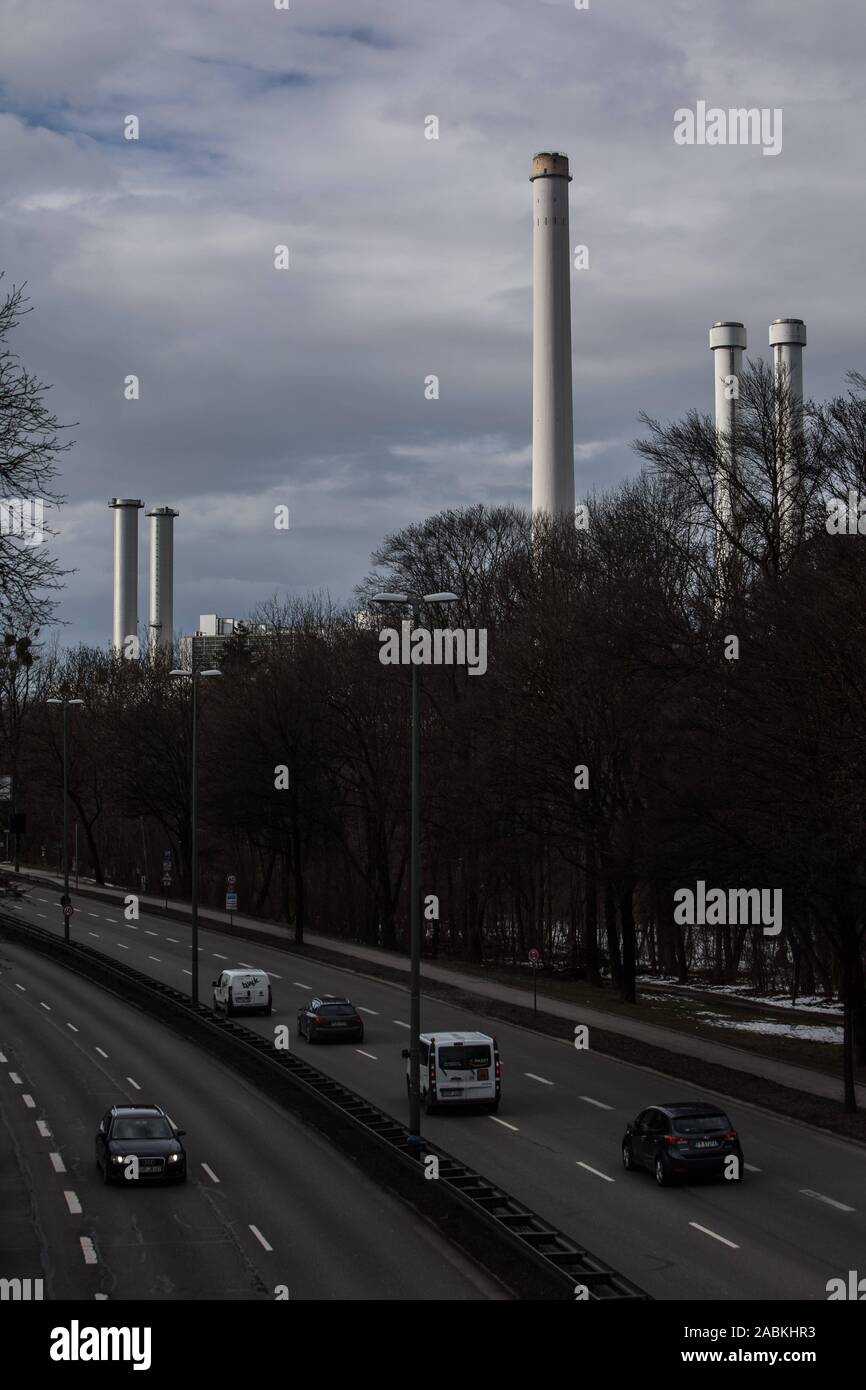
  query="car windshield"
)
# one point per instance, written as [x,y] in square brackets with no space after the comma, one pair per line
[701,1124]
[141,1127]
[464,1058]
[336,1010]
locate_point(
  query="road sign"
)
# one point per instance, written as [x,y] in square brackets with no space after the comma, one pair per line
[231,880]
[166,880]
[534,955]
[68,909]
[231,902]
[166,858]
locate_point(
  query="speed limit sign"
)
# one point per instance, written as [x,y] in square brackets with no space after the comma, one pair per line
[534,955]
[67,909]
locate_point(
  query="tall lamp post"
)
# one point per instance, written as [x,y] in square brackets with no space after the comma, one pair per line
[416,601]
[67,915]
[195,677]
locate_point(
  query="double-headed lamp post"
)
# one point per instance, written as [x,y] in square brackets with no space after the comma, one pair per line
[195,677]
[67,916]
[416,601]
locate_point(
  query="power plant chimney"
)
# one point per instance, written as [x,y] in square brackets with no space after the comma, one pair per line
[125,569]
[552,422]
[787,339]
[161,577]
[727,344]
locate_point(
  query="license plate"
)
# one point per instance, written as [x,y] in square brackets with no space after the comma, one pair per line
[705,1144]
[149,1167]
[338,1025]
[450,1091]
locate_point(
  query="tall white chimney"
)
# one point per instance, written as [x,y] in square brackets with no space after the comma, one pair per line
[552,423]
[125,570]
[787,339]
[161,577]
[727,344]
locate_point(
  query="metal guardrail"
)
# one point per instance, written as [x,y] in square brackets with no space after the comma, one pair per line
[569,1263]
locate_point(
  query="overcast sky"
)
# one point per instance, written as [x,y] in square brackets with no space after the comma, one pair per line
[408,256]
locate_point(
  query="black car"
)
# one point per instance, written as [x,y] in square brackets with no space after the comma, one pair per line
[330,1017]
[682,1140]
[143,1132]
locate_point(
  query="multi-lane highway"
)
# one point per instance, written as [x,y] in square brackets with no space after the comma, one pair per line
[270,1209]
[798,1220]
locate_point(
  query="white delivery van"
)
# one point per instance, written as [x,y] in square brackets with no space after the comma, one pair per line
[242,990]
[458,1069]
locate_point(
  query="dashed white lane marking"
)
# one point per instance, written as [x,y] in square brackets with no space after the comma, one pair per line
[93,914]
[246,965]
[43,1005]
[29,1102]
[43,1129]
[101,1053]
[73,1203]
[156,958]
[15,1079]
[42,914]
[600,1103]
[300,986]
[504,1123]
[259,1237]
[94,933]
[42,900]
[366,1054]
[216,955]
[173,939]
[123,946]
[151,933]
[362,1010]
[750,1168]
[57,1161]
[89,1254]
[715,1235]
[111,919]
[23,988]
[3,1057]
[400,1024]
[542,1079]
[819,1197]
[132,926]
[187,972]
[210,1172]
[133,1083]
[595,1171]
[72,1026]
[273,974]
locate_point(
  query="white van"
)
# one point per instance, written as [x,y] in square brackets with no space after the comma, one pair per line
[458,1069]
[242,990]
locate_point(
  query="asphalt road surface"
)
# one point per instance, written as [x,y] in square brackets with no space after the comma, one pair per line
[267,1202]
[798,1219]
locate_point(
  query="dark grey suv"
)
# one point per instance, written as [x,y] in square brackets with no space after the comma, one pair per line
[681,1140]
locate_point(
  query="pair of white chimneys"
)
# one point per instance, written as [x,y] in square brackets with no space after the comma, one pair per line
[161,624]
[552,424]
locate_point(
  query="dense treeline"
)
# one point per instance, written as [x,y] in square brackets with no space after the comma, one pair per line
[640,726]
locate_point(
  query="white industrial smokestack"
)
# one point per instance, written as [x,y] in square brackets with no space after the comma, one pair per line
[125,569]
[727,343]
[161,577]
[552,423]
[787,339]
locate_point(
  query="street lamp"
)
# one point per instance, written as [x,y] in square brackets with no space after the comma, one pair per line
[67,915]
[415,600]
[195,676]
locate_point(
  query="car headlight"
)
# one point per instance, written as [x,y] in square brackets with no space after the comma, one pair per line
[117,1158]
[174,1158]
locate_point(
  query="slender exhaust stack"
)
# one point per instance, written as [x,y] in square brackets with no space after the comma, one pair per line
[125,570]
[552,422]
[727,344]
[787,339]
[161,578]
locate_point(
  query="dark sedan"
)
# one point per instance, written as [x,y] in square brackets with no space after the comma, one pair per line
[140,1143]
[683,1140]
[330,1017]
